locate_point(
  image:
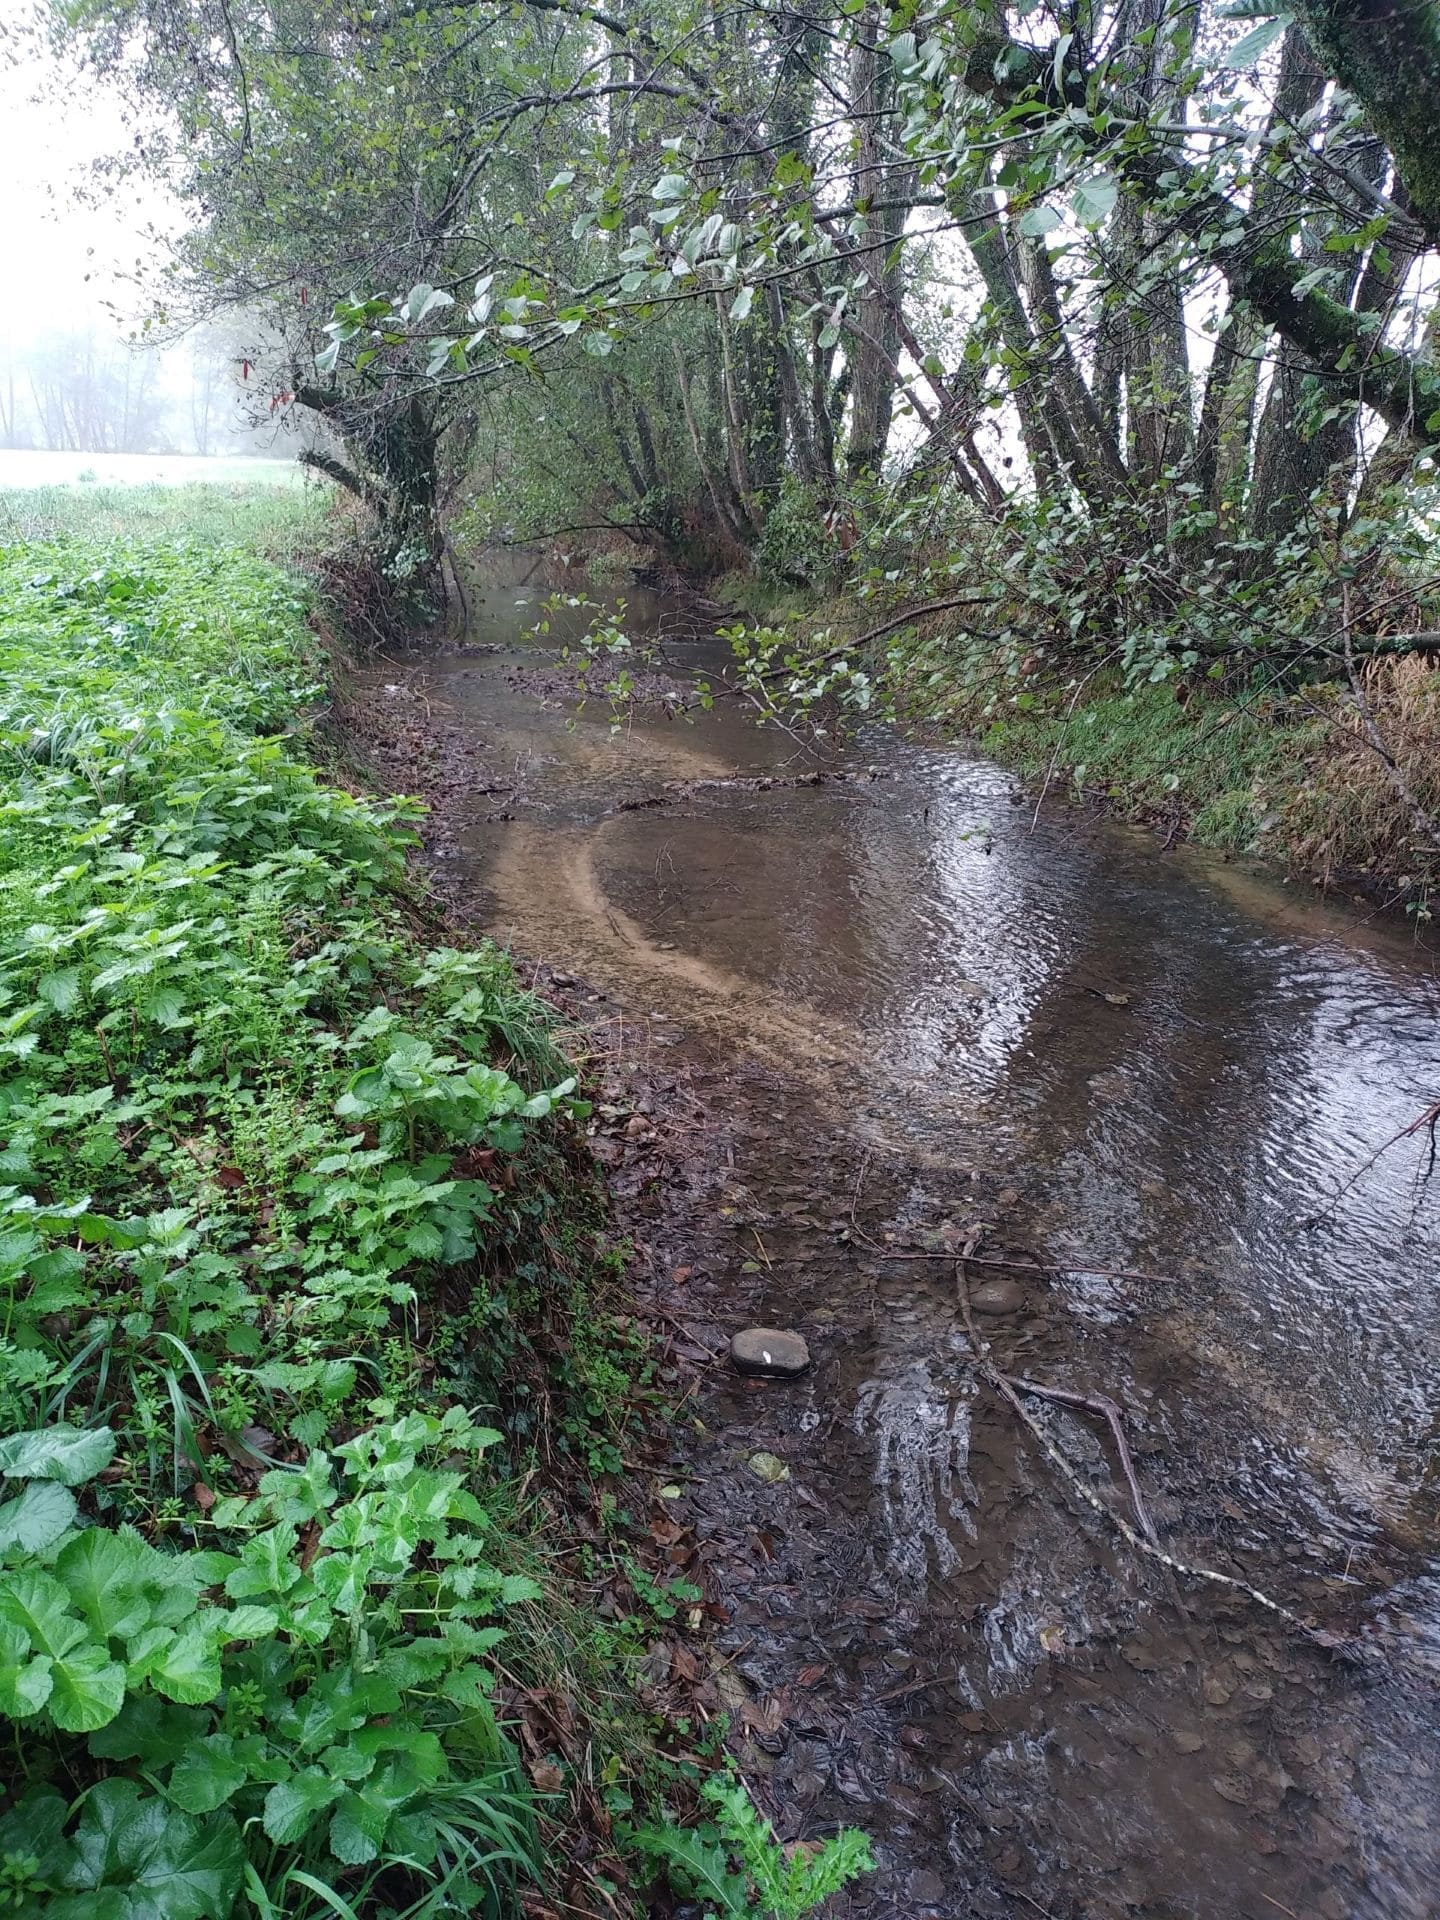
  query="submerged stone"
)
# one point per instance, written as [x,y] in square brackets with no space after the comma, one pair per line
[997,1297]
[769,1353]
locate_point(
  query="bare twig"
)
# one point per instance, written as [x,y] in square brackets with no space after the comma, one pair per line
[1002,1384]
[1107,1409]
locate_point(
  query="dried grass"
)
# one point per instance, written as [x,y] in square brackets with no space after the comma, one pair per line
[1347,818]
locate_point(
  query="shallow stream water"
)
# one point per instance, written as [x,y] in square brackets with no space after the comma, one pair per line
[913,1008]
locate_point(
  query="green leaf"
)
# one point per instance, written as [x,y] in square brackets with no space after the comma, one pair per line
[25,1680]
[1094,199]
[741,304]
[188,1669]
[207,1773]
[148,1730]
[1039,221]
[89,1690]
[292,1805]
[168,1865]
[36,1518]
[71,1455]
[38,1604]
[356,1830]
[60,990]
[103,1572]
[1248,49]
[251,1623]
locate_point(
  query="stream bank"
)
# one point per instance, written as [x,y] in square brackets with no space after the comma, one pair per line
[874,1016]
[1248,769]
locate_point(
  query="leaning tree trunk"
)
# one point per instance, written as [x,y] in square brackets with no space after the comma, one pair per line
[1387,53]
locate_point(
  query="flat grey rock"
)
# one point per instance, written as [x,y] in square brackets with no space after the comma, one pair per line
[768,1353]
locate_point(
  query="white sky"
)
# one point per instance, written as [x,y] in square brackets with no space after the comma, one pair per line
[61,258]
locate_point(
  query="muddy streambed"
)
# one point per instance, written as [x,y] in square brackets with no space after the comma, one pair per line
[909,1013]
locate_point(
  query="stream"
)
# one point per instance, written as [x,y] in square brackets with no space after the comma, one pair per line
[910,1010]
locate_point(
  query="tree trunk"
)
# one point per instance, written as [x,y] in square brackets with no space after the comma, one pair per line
[1387,53]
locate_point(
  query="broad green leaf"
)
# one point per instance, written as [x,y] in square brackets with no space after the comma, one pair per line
[250,1623]
[61,990]
[207,1773]
[148,1730]
[38,1604]
[36,1518]
[188,1669]
[166,1864]
[25,1680]
[1094,199]
[741,304]
[1038,221]
[103,1574]
[292,1806]
[71,1455]
[89,1690]
[357,1828]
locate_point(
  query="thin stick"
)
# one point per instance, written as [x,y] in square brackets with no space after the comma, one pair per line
[1001,1384]
[1041,1266]
[1099,1403]
[1428,1118]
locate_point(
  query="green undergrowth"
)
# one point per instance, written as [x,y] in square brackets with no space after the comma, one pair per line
[1216,769]
[302,1271]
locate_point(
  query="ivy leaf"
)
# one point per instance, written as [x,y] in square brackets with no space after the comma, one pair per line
[36,1518]
[71,1455]
[206,1774]
[89,1690]
[292,1805]
[25,1681]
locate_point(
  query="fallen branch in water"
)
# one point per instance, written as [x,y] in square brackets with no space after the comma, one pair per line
[1018,1265]
[1007,1390]
[680,790]
[1111,1414]
[1429,1118]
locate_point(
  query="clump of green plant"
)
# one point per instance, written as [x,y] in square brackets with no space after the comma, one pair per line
[735,1867]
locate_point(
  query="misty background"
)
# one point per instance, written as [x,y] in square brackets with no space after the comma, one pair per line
[84,366]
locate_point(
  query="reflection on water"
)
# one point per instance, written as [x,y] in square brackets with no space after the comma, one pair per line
[1180,1068]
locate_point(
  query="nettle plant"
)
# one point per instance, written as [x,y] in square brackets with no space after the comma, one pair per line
[305,1702]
